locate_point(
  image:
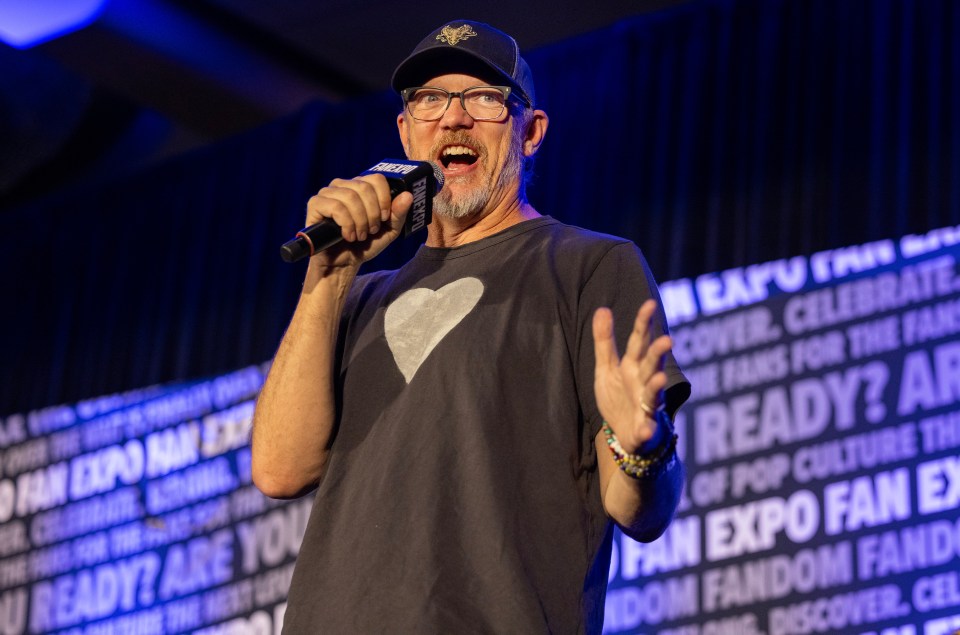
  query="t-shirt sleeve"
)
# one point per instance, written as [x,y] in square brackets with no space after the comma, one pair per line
[621,281]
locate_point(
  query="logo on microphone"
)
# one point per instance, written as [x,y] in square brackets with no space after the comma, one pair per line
[419,210]
[394,168]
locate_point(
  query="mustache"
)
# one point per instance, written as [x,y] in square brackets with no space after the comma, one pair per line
[459,138]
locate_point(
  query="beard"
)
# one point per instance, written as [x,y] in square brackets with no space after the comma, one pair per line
[464,205]
[474,200]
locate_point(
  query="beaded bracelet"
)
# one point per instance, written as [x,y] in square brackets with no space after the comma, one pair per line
[643,466]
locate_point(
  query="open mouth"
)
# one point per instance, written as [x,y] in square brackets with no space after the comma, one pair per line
[458,157]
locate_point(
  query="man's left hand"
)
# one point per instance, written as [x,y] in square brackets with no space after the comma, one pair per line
[629,390]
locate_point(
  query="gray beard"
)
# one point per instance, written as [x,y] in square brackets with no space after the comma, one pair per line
[463,206]
[473,201]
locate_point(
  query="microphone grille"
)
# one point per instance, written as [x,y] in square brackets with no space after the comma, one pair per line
[437,174]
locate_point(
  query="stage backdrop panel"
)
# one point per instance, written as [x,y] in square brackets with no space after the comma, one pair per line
[822,443]
[135,513]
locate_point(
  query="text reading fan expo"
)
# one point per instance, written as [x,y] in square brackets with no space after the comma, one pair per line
[474,422]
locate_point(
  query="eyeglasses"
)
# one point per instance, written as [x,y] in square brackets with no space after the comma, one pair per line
[482,103]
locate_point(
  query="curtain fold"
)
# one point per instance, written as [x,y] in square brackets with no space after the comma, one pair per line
[717,134]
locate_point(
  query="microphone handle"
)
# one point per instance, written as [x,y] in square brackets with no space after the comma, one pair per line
[311,240]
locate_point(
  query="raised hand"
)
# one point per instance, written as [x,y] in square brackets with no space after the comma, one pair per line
[629,390]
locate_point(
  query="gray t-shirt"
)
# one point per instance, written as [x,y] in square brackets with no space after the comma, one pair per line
[462,491]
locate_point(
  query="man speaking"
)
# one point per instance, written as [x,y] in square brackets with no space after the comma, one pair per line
[475,421]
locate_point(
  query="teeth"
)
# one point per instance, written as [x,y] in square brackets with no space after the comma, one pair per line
[457,150]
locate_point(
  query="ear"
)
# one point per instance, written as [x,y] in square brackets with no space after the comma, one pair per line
[536,131]
[402,129]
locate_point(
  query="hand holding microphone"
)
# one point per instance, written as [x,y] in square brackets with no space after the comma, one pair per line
[355,209]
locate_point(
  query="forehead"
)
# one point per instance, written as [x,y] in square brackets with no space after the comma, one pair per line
[454,81]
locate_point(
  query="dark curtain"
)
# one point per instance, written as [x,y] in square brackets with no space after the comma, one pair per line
[726,133]
[717,134]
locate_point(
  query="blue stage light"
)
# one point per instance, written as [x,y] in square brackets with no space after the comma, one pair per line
[26,23]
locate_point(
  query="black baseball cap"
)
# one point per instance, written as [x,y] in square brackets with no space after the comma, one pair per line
[468,47]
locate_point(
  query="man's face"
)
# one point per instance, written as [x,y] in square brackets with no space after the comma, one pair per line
[481,160]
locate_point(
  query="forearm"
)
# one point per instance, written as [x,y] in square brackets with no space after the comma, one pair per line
[296,410]
[641,507]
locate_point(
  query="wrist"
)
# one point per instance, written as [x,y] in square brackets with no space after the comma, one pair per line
[659,421]
[652,457]
[662,431]
[320,269]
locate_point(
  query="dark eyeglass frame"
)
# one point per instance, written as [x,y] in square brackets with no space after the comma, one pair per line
[507,91]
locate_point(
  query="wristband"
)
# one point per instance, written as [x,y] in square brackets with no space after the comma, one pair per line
[648,464]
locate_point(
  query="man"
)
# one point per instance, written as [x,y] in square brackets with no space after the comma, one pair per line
[451,413]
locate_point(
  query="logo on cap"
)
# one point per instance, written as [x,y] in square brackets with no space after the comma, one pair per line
[453,36]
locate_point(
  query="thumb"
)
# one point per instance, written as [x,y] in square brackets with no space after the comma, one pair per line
[399,208]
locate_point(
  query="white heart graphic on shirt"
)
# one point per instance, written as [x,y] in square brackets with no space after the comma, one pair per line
[416,321]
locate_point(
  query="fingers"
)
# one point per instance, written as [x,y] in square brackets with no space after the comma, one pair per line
[640,351]
[359,206]
[604,346]
[639,347]
[643,360]
[630,389]
[639,338]
[649,371]
[652,393]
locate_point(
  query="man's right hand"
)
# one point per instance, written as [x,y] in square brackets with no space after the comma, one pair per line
[369,220]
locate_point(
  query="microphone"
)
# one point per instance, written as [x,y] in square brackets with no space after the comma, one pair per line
[423,178]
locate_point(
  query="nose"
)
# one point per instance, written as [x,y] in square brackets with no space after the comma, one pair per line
[456,116]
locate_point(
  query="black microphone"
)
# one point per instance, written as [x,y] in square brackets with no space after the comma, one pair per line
[423,178]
